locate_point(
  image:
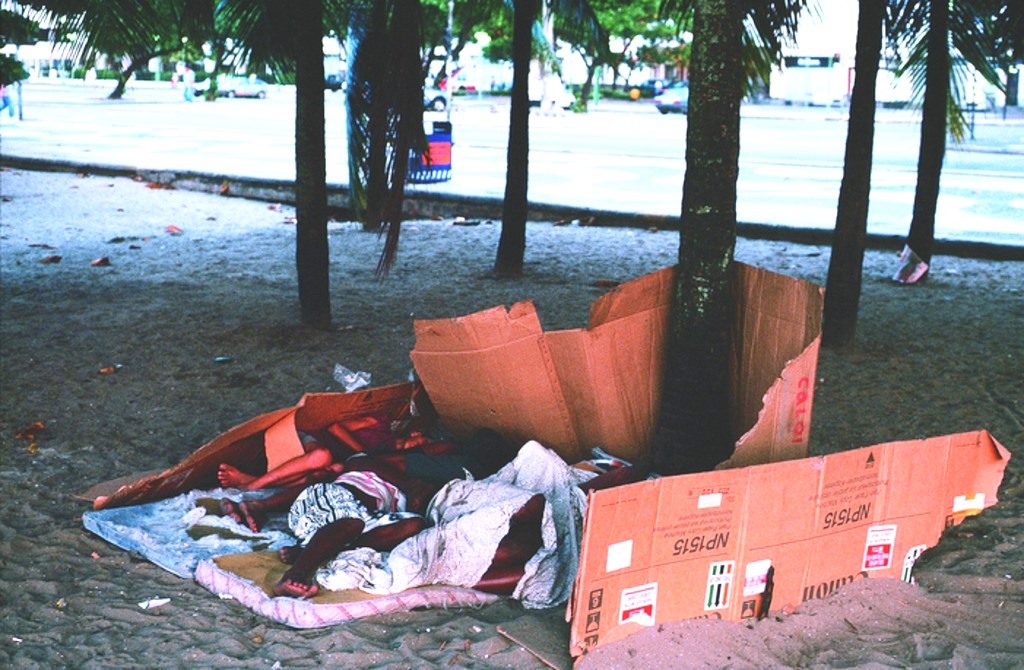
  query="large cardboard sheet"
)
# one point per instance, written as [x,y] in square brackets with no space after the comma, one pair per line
[738,543]
[259,443]
[576,389]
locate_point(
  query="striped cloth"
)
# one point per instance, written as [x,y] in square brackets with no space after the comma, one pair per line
[321,504]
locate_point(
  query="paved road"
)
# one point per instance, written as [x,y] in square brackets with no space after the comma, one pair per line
[623,157]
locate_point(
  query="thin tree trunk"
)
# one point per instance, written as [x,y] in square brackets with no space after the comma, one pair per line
[134,63]
[512,244]
[933,133]
[218,66]
[311,251]
[694,429]
[842,295]
[377,151]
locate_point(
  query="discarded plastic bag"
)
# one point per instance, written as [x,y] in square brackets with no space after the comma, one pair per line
[349,379]
[912,268]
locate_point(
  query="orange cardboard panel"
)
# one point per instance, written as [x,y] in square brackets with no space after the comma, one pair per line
[738,543]
[576,389]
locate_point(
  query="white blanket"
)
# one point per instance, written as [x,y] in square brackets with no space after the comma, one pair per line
[470,518]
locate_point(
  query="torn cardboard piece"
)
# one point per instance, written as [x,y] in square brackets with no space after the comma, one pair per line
[576,389]
[739,543]
[257,444]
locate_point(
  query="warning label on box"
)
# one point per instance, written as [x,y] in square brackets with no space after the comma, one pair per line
[637,604]
[879,547]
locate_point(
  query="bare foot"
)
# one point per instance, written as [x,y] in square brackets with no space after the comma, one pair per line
[231,477]
[295,589]
[245,513]
[289,554]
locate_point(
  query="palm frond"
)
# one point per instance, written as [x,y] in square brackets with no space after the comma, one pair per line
[385,112]
[768,25]
[971,42]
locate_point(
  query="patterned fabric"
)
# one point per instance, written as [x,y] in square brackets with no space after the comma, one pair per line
[321,504]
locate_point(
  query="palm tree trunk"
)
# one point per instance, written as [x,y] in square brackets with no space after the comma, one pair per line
[842,295]
[694,431]
[512,244]
[933,132]
[311,251]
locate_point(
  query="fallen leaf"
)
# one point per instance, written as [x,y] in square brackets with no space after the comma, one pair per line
[211,218]
[436,217]
[157,185]
[95,556]
[42,245]
[60,603]
[274,207]
[108,370]
[134,246]
[605,283]
[225,188]
[100,262]
[562,222]
[49,260]
[29,431]
[173,230]
[6,198]
[33,448]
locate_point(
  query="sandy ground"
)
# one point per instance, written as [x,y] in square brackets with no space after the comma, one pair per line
[940,358]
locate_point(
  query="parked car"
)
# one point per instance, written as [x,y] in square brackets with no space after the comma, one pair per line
[236,87]
[674,99]
[434,99]
[649,88]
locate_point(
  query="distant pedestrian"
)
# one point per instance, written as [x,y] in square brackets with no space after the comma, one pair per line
[5,101]
[190,84]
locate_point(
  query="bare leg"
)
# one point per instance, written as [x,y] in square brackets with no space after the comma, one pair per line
[330,541]
[293,471]
[517,547]
[325,544]
[253,513]
[231,477]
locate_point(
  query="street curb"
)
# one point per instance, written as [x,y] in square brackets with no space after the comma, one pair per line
[419,204]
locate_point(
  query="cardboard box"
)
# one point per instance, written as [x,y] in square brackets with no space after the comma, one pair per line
[572,390]
[736,544]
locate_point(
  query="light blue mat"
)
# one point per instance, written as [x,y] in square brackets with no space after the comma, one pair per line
[176,534]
